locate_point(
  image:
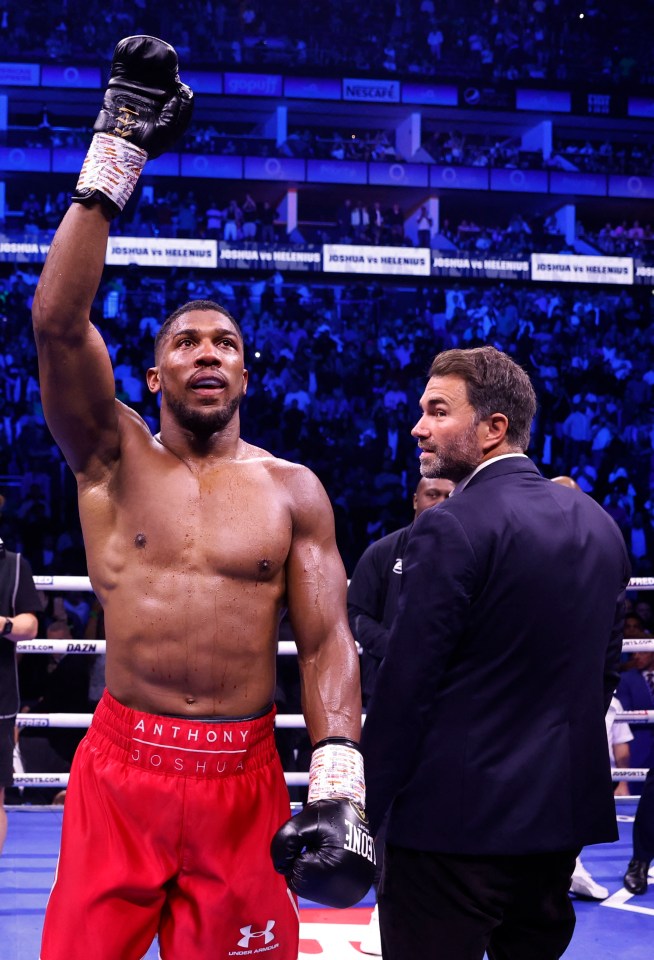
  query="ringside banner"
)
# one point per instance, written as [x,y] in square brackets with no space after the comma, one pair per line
[161,252]
[23,251]
[643,273]
[264,257]
[396,261]
[568,268]
[492,268]
[346,259]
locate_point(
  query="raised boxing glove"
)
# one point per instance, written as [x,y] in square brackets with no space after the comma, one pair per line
[145,102]
[326,852]
[145,110]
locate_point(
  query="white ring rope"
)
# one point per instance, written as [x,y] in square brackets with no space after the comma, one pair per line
[292,721]
[63,583]
[57,582]
[283,720]
[285,647]
[638,646]
[61,779]
[292,779]
[287,721]
[100,646]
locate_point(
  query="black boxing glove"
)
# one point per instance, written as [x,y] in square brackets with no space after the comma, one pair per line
[145,101]
[326,852]
[145,110]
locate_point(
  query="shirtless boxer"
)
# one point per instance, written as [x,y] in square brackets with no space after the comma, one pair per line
[195,541]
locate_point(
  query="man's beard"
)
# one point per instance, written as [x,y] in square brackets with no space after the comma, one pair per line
[460,458]
[203,422]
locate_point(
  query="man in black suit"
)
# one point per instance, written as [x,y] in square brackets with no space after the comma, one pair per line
[486,733]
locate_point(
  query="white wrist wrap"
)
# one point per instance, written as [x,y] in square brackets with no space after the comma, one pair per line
[112,166]
[336,771]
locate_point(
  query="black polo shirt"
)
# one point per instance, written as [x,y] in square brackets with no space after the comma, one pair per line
[17,595]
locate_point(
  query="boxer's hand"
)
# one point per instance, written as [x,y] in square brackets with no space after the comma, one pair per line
[145,102]
[145,110]
[326,853]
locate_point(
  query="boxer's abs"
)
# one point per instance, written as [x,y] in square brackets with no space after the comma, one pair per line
[192,643]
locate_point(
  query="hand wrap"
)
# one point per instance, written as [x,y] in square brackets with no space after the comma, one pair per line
[111,167]
[145,110]
[336,771]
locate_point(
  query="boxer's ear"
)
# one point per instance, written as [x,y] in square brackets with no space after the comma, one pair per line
[152,379]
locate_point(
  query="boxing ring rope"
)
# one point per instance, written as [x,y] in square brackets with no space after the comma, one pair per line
[60,780]
[84,584]
[284,646]
[282,720]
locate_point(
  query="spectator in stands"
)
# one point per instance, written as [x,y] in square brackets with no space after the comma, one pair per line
[424,224]
[214,221]
[268,217]
[576,430]
[377,222]
[644,611]
[187,218]
[233,218]
[395,221]
[635,691]
[584,473]
[249,225]
[435,41]
[360,223]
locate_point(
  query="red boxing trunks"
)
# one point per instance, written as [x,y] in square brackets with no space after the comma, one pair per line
[166,832]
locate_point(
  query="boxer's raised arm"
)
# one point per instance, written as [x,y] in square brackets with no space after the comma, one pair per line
[77,383]
[145,110]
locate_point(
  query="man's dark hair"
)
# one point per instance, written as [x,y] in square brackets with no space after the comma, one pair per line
[495,384]
[186,308]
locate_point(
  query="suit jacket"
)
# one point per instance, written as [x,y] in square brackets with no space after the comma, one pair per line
[372,598]
[634,694]
[486,728]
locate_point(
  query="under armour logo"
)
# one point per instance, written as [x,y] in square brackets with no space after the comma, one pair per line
[249,934]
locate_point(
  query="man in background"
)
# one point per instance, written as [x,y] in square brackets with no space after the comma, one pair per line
[375,584]
[63,688]
[486,736]
[19,605]
[372,598]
